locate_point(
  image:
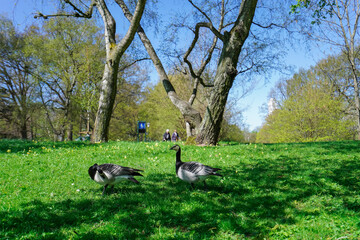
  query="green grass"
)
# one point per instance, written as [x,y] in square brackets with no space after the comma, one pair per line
[275,191]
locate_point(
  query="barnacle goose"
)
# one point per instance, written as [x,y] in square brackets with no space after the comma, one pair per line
[192,172]
[111,174]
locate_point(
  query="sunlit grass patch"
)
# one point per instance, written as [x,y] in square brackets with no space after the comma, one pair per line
[274,191]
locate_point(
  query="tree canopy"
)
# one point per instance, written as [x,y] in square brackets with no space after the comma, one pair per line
[309,108]
[90,78]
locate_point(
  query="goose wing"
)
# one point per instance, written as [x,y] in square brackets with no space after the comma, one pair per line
[117,170]
[199,169]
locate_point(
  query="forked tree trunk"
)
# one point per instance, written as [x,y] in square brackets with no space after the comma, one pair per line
[114,53]
[226,72]
[208,129]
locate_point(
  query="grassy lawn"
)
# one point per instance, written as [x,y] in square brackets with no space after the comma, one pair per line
[275,191]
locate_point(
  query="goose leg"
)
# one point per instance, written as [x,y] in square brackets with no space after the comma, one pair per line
[104,189]
[205,185]
[192,186]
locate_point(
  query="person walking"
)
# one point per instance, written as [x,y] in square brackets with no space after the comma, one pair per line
[175,136]
[166,136]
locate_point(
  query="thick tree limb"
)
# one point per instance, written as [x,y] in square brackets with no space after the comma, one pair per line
[109,24]
[190,114]
[197,76]
[193,43]
[114,52]
[226,73]
[135,21]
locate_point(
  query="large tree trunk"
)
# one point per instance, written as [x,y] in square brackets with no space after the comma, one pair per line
[70,132]
[106,102]
[208,129]
[225,74]
[356,99]
[113,54]
[23,129]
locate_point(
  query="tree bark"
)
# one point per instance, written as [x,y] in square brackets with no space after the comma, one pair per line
[356,98]
[191,115]
[70,132]
[226,73]
[23,130]
[208,129]
[113,54]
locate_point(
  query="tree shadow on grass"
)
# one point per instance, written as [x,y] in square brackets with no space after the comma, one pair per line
[162,203]
[347,175]
[246,204]
[269,191]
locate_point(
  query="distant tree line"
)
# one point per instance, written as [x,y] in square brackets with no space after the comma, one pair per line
[322,103]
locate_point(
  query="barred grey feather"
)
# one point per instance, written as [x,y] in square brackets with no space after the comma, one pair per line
[111,174]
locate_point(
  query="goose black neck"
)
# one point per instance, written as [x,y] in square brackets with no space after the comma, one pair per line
[178,160]
[178,155]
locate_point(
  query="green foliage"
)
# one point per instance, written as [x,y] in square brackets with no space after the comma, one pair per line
[336,70]
[123,124]
[16,85]
[231,132]
[161,113]
[70,56]
[311,111]
[273,191]
[67,62]
[321,9]
[190,140]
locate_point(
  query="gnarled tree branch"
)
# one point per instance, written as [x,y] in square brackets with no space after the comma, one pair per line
[77,13]
[190,114]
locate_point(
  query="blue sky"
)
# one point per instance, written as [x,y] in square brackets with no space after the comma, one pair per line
[299,58]
[22,12]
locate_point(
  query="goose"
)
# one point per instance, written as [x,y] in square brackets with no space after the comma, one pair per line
[192,172]
[111,174]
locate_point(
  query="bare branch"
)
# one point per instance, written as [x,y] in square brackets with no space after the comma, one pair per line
[202,12]
[246,69]
[197,76]
[132,63]
[78,13]
[86,14]
[193,94]
[192,45]
[268,26]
